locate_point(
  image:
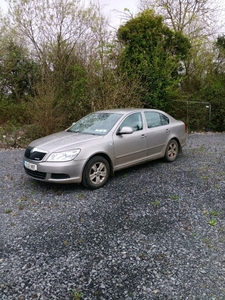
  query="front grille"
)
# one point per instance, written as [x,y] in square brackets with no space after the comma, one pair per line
[35,174]
[36,155]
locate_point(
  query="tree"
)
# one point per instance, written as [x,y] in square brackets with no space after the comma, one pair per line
[195,18]
[213,89]
[220,55]
[58,34]
[154,53]
[199,21]
[107,87]
[77,57]
[17,72]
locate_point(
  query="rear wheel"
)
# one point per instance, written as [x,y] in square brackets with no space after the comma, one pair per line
[172,151]
[96,172]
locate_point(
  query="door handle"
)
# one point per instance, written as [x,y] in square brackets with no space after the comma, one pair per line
[143,136]
[167,130]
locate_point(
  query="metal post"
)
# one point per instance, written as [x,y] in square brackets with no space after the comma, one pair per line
[210,111]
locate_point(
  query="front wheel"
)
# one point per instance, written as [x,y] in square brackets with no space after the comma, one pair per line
[96,172]
[172,151]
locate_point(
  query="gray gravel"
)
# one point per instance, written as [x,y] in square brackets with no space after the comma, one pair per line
[145,235]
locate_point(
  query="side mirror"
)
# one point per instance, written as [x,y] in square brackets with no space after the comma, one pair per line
[125,130]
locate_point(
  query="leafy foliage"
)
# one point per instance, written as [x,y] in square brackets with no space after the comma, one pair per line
[17,73]
[154,53]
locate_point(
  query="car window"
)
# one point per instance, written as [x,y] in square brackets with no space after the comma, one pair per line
[164,119]
[134,121]
[96,123]
[155,119]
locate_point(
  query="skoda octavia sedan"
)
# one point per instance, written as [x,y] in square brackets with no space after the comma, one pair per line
[102,143]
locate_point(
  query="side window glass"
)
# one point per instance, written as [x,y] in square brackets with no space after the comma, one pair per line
[164,119]
[134,121]
[153,119]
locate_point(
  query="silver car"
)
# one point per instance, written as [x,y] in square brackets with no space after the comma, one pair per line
[102,143]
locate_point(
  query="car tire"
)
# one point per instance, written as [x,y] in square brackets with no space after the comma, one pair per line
[172,151]
[96,172]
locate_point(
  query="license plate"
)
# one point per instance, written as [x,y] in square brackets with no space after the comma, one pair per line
[30,166]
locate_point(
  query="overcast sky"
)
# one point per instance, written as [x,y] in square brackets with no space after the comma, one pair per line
[3,5]
[111,8]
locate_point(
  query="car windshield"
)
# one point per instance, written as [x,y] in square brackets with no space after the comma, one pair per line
[96,123]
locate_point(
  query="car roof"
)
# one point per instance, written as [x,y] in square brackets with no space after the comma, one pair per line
[128,110]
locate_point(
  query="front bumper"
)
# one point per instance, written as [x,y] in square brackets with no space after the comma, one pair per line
[57,172]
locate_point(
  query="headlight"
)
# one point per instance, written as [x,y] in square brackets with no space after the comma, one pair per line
[64,156]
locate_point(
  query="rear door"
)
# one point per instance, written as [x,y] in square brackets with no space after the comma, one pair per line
[130,149]
[158,133]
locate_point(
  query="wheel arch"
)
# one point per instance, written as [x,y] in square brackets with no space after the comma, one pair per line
[103,155]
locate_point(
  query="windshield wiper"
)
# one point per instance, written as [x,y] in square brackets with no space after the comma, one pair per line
[74,131]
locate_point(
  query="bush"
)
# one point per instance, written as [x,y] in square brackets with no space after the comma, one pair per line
[11,112]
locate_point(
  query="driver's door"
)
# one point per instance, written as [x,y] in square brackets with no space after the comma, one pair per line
[130,149]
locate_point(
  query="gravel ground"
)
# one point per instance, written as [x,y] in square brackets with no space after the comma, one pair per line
[156,231]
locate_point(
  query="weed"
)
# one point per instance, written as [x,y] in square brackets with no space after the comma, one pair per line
[79,196]
[65,242]
[156,203]
[131,294]
[214,213]
[201,149]
[8,211]
[212,222]
[20,207]
[77,295]
[205,177]
[208,243]
[24,198]
[174,197]
[143,256]
[203,168]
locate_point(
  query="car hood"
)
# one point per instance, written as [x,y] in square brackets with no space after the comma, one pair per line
[63,141]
